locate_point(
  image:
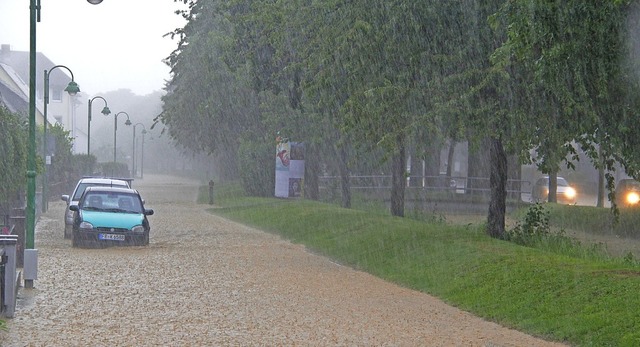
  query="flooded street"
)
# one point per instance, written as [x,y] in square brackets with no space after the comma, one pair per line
[206,281]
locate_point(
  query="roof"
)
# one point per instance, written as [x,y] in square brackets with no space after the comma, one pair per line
[14,92]
[19,61]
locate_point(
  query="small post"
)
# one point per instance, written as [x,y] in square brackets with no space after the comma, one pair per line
[211,192]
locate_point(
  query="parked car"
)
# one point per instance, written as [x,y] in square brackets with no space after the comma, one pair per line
[82,184]
[107,216]
[564,192]
[628,193]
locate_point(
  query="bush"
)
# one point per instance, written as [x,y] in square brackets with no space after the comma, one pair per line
[112,169]
[13,154]
[257,167]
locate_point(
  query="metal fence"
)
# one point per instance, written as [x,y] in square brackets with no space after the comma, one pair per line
[457,184]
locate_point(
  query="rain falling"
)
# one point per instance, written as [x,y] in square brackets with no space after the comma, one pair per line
[331,172]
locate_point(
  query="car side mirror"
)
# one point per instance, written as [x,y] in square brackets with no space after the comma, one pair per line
[74,208]
[65,198]
[148,211]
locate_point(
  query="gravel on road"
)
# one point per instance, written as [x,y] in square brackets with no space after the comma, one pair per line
[207,281]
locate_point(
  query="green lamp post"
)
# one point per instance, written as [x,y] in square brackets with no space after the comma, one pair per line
[115,129]
[133,156]
[30,267]
[105,111]
[73,89]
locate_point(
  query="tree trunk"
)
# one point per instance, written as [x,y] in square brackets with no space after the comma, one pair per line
[398,178]
[311,173]
[478,171]
[600,201]
[452,149]
[415,172]
[345,183]
[498,184]
[553,186]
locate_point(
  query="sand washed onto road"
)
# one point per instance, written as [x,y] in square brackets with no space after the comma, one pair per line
[206,281]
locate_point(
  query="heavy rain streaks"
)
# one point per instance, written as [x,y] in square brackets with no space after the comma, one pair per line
[204,280]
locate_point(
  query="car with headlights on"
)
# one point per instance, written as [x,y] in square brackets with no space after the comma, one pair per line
[628,193]
[82,184]
[564,192]
[110,216]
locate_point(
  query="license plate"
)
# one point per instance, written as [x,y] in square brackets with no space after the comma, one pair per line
[111,237]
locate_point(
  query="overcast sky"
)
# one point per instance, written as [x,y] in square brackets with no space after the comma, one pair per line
[116,44]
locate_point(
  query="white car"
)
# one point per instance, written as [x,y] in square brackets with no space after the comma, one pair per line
[82,184]
[564,192]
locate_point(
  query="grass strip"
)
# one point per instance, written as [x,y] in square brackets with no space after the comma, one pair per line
[577,300]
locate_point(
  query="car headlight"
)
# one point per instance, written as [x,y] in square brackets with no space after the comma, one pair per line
[570,193]
[138,229]
[633,198]
[86,225]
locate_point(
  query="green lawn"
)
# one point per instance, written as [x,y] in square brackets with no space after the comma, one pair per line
[580,298]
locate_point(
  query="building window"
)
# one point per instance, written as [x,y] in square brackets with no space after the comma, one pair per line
[56,94]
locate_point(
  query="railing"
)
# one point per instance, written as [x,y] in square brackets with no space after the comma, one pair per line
[457,184]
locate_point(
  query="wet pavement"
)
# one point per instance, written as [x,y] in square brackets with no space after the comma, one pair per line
[206,281]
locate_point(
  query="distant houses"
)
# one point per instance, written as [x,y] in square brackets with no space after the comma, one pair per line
[14,92]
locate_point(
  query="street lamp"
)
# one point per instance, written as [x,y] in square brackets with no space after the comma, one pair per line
[115,129]
[133,156]
[105,111]
[73,89]
[144,131]
[30,267]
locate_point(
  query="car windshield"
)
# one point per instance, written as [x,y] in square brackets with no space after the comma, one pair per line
[82,186]
[112,202]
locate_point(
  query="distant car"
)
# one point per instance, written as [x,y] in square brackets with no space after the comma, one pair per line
[82,184]
[564,193]
[628,193]
[108,216]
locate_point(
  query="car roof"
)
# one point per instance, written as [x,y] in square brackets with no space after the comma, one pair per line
[104,181]
[106,189]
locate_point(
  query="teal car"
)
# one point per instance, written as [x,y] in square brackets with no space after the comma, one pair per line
[110,216]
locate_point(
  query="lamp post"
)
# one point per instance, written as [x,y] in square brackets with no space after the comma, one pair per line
[30,267]
[105,111]
[115,129]
[73,89]
[133,156]
[144,131]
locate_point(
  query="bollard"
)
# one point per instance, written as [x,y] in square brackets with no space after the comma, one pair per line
[211,192]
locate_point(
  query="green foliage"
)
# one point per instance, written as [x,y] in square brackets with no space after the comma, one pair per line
[85,164]
[535,225]
[13,155]
[112,169]
[257,167]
